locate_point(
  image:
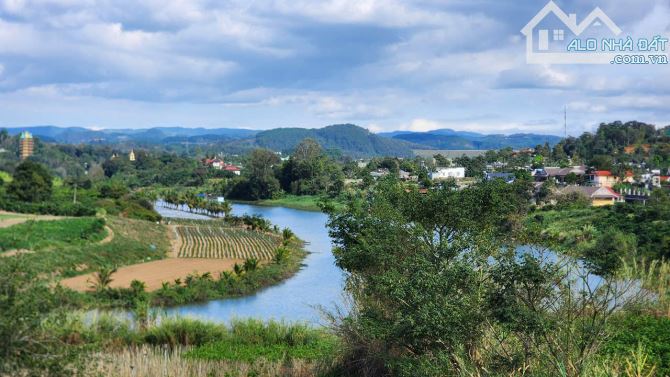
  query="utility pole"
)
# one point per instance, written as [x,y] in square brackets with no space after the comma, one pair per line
[74,197]
[565,121]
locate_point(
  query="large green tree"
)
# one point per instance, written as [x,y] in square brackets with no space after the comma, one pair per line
[32,182]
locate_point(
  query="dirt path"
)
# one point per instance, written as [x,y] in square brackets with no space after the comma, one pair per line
[110,236]
[156,272]
[12,253]
[8,219]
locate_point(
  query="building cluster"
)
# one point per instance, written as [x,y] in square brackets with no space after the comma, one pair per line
[219,164]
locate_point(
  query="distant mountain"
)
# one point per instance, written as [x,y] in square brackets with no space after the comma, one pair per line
[350,139]
[156,135]
[347,139]
[464,140]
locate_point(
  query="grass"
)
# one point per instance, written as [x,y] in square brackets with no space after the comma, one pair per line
[61,251]
[302,202]
[571,230]
[250,340]
[5,216]
[189,347]
[52,234]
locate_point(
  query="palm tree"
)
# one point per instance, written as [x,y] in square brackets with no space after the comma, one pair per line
[102,278]
[237,269]
[287,234]
[250,264]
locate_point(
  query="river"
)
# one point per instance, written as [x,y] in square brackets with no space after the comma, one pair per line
[319,284]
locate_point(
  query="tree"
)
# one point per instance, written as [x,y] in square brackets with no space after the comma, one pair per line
[32,182]
[25,345]
[103,278]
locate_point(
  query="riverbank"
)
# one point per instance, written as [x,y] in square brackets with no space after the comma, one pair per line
[302,202]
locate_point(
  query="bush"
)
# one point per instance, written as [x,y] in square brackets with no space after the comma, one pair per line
[653,333]
[183,331]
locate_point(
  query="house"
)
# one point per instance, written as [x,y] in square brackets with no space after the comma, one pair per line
[660,180]
[214,163]
[407,176]
[379,173]
[446,173]
[547,37]
[559,174]
[233,169]
[539,175]
[507,177]
[602,178]
[599,196]
[629,177]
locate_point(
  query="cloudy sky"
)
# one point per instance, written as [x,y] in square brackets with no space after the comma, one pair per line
[382,64]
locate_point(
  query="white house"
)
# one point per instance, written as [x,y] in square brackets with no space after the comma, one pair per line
[446,173]
[546,41]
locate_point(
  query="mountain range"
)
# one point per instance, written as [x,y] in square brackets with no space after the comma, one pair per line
[348,139]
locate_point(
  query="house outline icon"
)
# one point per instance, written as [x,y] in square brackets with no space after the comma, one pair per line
[570,21]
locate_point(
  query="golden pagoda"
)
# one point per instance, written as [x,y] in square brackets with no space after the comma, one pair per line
[26,145]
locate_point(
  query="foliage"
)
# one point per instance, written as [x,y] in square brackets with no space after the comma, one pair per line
[250,340]
[629,331]
[25,301]
[432,287]
[31,182]
[39,235]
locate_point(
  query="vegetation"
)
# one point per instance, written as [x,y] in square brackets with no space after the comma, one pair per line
[41,235]
[70,247]
[220,242]
[603,236]
[447,293]
[348,139]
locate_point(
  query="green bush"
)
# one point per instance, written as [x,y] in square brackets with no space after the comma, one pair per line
[653,333]
[248,340]
[183,331]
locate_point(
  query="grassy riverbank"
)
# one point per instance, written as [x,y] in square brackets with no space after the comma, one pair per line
[188,347]
[302,202]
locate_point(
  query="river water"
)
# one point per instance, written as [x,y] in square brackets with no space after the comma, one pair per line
[319,284]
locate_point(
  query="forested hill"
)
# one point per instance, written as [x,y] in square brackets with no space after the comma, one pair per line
[442,139]
[351,140]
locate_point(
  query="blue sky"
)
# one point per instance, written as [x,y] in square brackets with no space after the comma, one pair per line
[385,65]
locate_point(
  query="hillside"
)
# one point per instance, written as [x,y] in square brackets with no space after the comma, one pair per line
[463,140]
[348,138]
[155,135]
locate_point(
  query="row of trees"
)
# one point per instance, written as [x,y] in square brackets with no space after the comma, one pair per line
[195,203]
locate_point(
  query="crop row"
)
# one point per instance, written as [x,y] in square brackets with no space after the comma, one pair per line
[222,242]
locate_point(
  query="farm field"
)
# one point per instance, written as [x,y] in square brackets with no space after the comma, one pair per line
[224,242]
[154,273]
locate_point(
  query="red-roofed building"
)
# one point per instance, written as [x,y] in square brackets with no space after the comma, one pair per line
[232,168]
[602,178]
[213,162]
[599,196]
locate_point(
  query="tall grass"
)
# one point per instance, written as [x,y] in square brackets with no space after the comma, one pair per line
[149,361]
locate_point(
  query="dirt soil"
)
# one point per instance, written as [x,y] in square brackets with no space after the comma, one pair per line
[156,272]
[18,218]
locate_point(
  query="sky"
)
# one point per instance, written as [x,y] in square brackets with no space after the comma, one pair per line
[384,65]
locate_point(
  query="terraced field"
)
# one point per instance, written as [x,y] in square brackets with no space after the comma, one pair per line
[225,242]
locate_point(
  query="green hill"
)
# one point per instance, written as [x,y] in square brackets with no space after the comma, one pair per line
[351,140]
